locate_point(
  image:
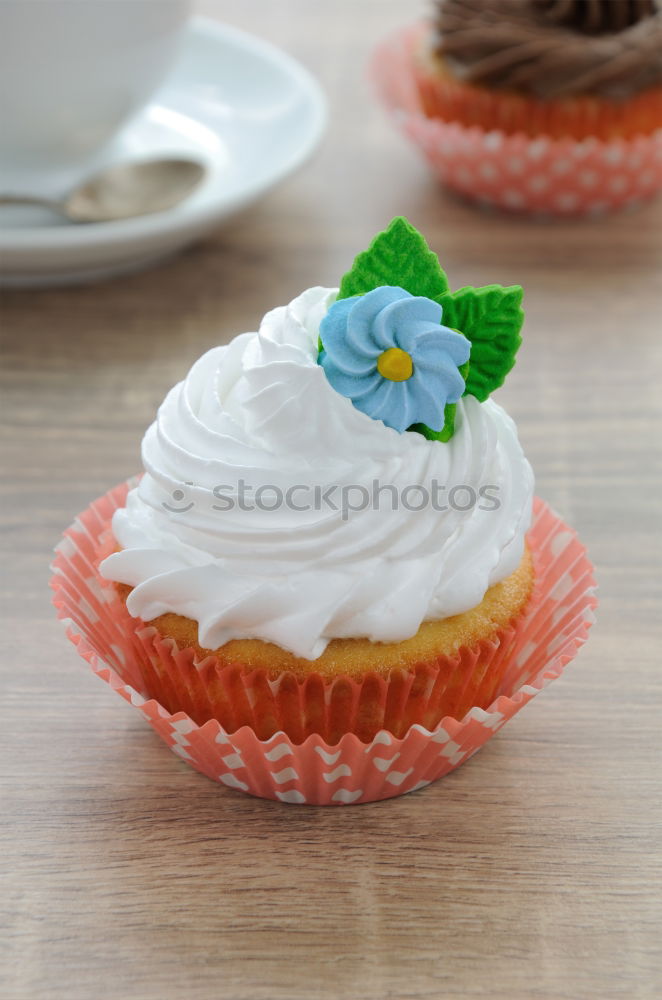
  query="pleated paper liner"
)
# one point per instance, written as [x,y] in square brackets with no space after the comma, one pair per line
[225,689]
[500,164]
[442,95]
[318,771]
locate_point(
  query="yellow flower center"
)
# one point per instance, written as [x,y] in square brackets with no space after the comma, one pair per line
[395,365]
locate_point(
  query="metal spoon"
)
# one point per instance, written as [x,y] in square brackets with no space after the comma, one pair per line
[123,191]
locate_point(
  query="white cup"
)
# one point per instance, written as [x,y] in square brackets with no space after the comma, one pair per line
[73,71]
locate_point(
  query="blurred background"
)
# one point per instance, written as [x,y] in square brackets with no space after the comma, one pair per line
[529,872]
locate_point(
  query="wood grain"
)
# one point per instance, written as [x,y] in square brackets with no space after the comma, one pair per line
[533,872]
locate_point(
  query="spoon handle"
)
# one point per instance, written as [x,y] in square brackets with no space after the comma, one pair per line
[27,199]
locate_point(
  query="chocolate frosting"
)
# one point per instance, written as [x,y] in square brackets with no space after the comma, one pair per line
[553,48]
[597,15]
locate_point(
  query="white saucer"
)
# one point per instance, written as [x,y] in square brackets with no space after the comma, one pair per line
[247,110]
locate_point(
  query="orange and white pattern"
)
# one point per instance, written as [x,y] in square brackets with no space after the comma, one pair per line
[314,772]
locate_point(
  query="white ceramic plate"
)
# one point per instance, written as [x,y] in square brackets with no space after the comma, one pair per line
[247,110]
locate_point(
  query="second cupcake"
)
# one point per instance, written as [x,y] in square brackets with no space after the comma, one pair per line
[552,107]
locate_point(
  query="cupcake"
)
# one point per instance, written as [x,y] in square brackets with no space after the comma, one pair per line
[333,548]
[557,68]
[540,105]
[335,499]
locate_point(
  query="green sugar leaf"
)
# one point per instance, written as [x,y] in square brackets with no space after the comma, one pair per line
[446,433]
[491,318]
[399,256]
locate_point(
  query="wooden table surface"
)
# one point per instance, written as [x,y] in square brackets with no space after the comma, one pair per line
[531,872]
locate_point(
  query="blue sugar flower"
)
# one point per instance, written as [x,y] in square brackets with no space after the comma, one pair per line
[389,353]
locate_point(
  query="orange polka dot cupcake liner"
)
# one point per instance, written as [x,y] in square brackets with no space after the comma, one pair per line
[309,765]
[565,158]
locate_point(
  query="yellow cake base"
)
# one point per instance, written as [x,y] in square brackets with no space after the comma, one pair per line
[355,657]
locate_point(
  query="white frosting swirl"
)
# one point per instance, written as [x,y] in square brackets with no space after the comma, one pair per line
[260,410]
